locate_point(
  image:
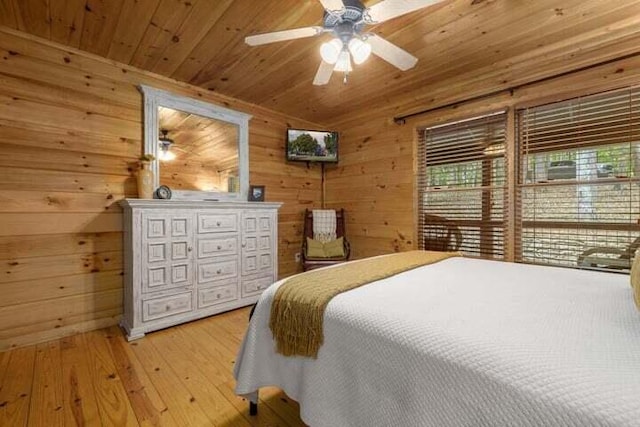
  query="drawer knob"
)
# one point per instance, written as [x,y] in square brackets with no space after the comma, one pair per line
[219,247]
[218,223]
[168,307]
[218,271]
[189,249]
[218,295]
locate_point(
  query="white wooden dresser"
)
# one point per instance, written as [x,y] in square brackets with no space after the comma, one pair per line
[189,259]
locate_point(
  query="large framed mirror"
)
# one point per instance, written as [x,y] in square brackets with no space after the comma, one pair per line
[201,149]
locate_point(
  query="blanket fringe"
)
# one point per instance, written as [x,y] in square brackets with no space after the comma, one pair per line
[297,310]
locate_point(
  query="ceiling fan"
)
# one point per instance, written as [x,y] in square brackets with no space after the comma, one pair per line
[167,147]
[346,20]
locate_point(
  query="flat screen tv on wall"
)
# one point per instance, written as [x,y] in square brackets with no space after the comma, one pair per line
[305,145]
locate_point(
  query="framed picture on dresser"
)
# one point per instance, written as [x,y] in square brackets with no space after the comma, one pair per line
[256,193]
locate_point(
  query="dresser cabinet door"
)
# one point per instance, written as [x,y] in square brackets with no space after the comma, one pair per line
[258,243]
[166,251]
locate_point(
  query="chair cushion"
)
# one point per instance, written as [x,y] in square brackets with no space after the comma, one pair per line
[334,248]
[330,249]
[315,248]
[635,280]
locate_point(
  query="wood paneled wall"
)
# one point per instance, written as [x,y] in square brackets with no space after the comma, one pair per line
[70,135]
[375,180]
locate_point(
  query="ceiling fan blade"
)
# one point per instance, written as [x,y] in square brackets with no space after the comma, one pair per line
[280,36]
[332,5]
[389,9]
[391,53]
[175,147]
[324,74]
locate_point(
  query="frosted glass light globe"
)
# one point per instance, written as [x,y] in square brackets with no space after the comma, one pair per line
[165,155]
[330,51]
[359,50]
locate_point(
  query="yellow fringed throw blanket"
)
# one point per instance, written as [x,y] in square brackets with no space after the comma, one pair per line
[298,306]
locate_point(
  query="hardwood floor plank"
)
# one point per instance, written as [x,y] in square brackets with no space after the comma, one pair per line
[47,396]
[181,403]
[218,340]
[79,400]
[181,376]
[221,412]
[147,403]
[276,400]
[215,359]
[265,417]
[193,341]
[15,392]
[112,399]
[225,344]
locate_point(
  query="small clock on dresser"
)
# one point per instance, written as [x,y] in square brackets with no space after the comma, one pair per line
[163,192]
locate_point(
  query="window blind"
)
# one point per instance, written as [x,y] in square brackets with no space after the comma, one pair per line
[578,181]
[462,186]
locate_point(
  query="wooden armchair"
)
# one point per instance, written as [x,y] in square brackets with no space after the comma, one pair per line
[309,263]
[601,257]
[440,234]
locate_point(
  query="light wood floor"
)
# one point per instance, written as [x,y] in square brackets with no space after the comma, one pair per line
[181,376]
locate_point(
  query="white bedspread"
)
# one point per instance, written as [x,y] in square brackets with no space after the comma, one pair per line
[464,342]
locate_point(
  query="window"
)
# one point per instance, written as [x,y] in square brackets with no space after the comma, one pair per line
[579,181]
[462,186]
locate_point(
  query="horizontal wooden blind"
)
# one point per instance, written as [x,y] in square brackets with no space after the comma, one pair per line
[461,186]
[578,182]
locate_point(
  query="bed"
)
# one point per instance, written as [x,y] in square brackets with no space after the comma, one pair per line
[463,342]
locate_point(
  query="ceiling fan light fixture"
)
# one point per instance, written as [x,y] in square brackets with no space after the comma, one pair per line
[165,143]
[330,51]
[165,155]
[346,21]
[360,50]
[344,62]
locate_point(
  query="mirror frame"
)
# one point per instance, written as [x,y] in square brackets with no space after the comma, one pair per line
[154,98]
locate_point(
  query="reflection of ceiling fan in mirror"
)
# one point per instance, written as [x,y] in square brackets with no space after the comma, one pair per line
[166,144]
[346,19]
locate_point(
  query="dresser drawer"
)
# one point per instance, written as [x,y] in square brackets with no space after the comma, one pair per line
[256,286]
[166,306]
[221,246]
[218,295]
[214,271]
[217,223]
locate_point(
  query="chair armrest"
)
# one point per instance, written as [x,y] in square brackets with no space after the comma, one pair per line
[347,248]
[602,250]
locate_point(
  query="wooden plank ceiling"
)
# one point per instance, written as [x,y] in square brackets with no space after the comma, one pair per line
[464,46]
[196,138]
